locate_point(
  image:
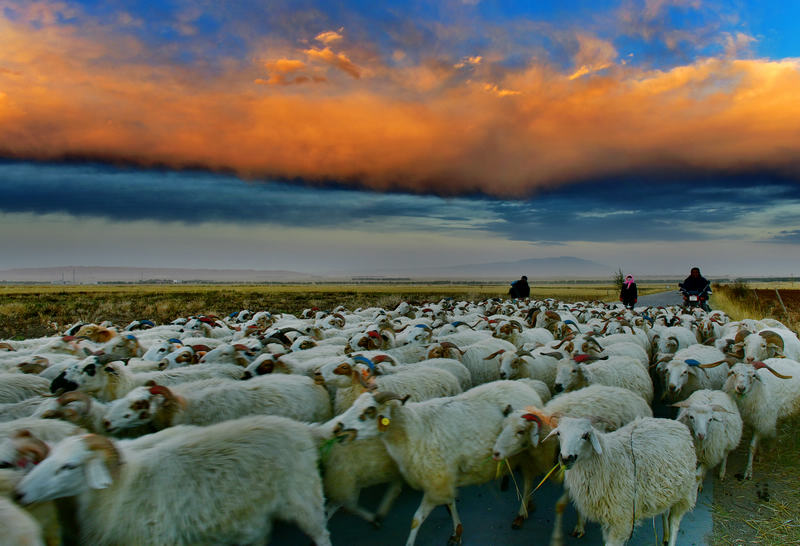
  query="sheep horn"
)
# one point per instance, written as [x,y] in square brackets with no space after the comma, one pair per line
[491,356]
[533,418]
[450,345]
[383,397]
[553,354]
[714,364]
[75,396]
[759,365]
[682,404]
[384,358]
[96,442]
[772,337]
[28,443]
[524,353]
[516,324]
[163,391]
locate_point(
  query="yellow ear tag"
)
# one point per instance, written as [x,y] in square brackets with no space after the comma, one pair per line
[365,373]
[383,423]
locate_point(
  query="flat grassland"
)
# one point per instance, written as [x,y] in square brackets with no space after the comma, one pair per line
[38,310]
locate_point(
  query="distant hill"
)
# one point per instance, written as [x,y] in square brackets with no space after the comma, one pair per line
[535,268]
[85,274]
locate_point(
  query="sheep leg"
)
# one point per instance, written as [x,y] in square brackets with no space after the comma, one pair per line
[420,515]
[580,525]
[557,537]
[723,467]
[526,505]
[457,527]
[392,492]
[748,472]
[675,516]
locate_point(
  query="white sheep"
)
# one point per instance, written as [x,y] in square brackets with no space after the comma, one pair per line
[687,371]
[18,527]
[158,407]
[641,470]
[770,343]
[716,425]
[522,430]
[618,371]
[764,392]
[351,378]
[168,487]
[110,381]
[541,364]
[15,387]
[427,439]
[481,358]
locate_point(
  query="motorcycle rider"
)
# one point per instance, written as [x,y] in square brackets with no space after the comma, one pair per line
[695,282]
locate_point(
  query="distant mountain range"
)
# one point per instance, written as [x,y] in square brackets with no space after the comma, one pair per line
[83,274]
[534,268]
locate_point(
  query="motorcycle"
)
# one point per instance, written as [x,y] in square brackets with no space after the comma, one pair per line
[696,298]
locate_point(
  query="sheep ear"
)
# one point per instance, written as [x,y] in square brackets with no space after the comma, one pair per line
[596,443]
[97,474]
[534,433]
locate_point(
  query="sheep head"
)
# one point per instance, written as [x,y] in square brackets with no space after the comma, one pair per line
[370,415]
[578,440]
[76,464]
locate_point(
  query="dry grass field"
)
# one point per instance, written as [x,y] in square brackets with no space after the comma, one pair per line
[37,310]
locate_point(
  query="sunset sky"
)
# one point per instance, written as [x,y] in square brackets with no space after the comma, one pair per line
[355,136]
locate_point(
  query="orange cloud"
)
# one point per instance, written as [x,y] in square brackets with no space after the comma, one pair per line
[329,37]
[338,60]
[418,127]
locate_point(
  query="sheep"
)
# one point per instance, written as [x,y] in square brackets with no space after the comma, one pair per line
[513,331]
[668,340]
[684,375]
[714,421]
[169,489]
[110,381]
[23,408]
[159,407]
[541,364]
[643,469]
[419,383]
[621,348]
[771,343]
[764,392]
[482,358]
[523,428]
[18,526]
[15,387]
[449,364]
[427,439]
[620,371]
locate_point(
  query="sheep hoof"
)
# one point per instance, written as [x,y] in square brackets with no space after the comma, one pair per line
[377,522]
[517,523]
[577,533]
[455,540]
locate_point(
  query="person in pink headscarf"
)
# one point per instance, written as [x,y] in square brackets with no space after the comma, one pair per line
[629,295]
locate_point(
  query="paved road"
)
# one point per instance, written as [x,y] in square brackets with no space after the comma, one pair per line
[487,512]
[671,297]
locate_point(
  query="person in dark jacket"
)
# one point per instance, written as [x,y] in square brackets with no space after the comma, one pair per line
[520,288]
[695,282]
[629,294]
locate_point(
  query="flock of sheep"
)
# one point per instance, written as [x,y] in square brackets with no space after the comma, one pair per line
[205,430]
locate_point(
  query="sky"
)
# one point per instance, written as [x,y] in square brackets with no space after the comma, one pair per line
[325,137]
